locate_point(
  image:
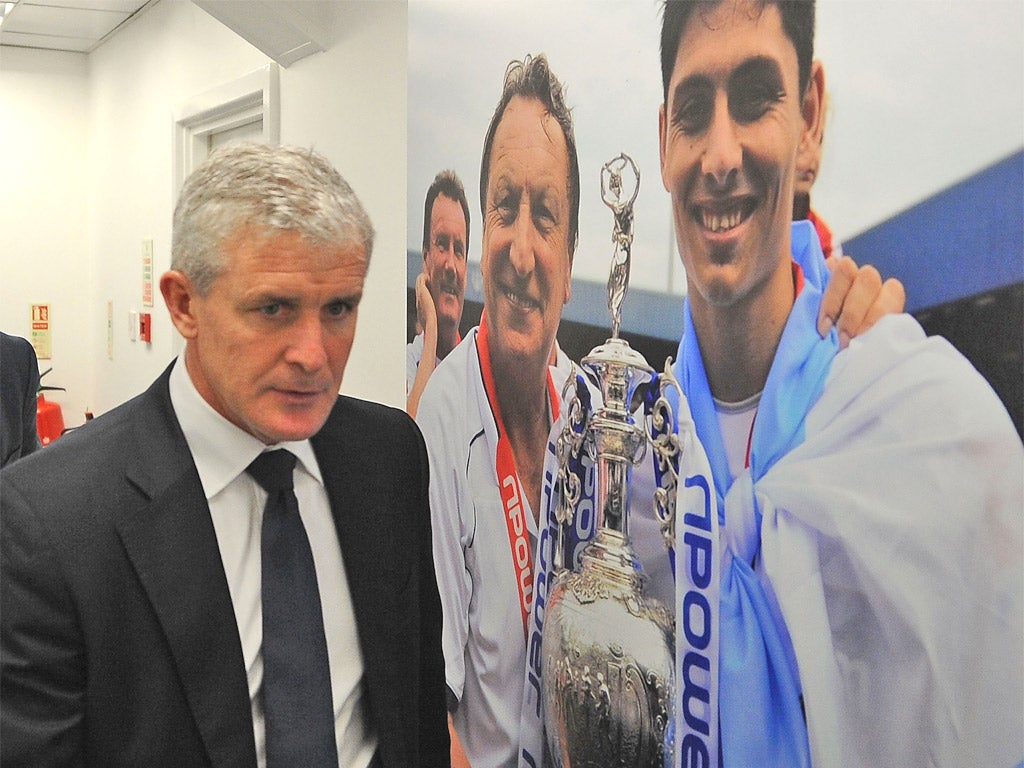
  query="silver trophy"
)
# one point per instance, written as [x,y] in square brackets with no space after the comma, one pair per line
[608,650]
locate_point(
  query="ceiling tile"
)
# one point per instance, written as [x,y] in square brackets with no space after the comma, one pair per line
[62,22]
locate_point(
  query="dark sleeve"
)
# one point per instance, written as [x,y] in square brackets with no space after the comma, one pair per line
[30,437]
[435,745]
[42,674]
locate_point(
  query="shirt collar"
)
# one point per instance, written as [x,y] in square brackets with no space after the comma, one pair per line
[221,451]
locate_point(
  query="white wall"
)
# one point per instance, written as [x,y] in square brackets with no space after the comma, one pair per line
[350,103]
[138,78]
[45,253]
[91,178]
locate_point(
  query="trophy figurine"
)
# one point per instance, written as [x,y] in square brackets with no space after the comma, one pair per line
[607,649]
[613,195]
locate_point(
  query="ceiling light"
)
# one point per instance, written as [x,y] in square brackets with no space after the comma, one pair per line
[5,10]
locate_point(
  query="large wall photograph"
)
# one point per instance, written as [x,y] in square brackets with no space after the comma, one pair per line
[919,163]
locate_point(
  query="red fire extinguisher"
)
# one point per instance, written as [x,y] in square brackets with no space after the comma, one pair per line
[49,418]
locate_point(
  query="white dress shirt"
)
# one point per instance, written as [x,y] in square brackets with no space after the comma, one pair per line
[221,452]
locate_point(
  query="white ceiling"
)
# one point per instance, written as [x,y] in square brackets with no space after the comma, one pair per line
[285,30]
[64,25]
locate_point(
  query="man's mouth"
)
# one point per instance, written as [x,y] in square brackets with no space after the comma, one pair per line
[520,300]
[450,288]
[296,394]
[301,392]
[723,218]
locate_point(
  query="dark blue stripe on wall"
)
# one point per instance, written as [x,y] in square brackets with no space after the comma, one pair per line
[965,240]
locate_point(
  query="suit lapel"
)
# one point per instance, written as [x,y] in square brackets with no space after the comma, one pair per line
[171,542]
[357,528]
[375,576]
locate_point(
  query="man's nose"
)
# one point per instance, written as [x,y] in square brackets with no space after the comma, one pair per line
[307,347]
[448,259]
[521,252]
[723,153]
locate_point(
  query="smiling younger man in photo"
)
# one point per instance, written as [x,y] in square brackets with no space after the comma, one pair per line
[233,568]
[868,610]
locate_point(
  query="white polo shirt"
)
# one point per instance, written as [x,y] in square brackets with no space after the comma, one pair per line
[483,636]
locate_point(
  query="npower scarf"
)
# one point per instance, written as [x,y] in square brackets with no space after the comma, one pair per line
[891,552]
[758,703]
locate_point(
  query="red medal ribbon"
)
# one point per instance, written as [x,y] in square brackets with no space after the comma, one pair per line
[824,233]
[509,485]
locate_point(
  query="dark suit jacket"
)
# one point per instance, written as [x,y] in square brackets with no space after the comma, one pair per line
[119,641]
[19,385]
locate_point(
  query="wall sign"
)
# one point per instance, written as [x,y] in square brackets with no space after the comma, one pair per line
[41,339]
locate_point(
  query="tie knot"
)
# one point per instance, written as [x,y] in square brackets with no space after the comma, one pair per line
[273,470]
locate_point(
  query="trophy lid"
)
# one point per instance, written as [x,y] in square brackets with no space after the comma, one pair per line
[618,370]
[616,351]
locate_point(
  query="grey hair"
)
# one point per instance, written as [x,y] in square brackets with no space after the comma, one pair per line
[532,78]
[272,190]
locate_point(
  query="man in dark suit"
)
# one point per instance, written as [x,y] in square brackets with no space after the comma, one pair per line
[138,627]
[19,384]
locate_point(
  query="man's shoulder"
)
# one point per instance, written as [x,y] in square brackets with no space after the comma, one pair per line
[89,462]
[896,368]
[354,412]
[365,439]
[450,410]
[351,408]
[449,383]
[15,345]
[99,441]
[897,348]
[414,351]
[415,347]
[365,423]
[18,365]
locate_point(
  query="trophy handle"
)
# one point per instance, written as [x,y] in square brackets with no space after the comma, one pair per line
[569,447]
[665,451]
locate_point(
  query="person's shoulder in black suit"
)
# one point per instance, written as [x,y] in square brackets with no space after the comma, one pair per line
[19,385]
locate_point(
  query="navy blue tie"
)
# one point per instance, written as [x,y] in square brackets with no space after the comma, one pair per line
[297,703]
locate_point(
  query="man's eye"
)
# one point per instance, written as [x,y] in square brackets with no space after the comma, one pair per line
[750,101]
[506,208]
[693,113]
[271,310]
[543,217]
[338,308]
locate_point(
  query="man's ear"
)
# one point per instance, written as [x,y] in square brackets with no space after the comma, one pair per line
[662,131]
[178,293]
[568,277]
[813,106]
